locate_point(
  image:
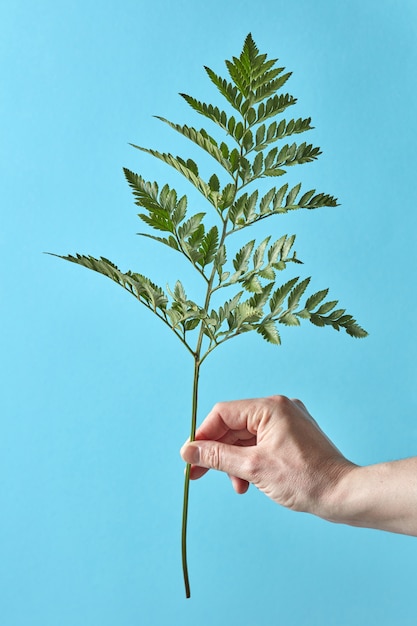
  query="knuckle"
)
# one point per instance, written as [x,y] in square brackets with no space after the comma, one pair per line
[212,456]
[218,408]
[281,407]
[281,401]
[252,466]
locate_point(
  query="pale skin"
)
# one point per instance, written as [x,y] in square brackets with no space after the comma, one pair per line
[276,445]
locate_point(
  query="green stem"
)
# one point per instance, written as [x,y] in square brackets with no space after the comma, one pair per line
[197,364]
[187,480]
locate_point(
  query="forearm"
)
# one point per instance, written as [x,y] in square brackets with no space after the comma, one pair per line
[382,496]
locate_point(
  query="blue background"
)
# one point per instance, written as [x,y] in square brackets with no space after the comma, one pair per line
[95,396]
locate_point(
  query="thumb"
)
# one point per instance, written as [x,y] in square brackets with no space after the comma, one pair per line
[219,456]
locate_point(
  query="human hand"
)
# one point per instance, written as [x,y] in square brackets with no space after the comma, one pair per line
[273,443]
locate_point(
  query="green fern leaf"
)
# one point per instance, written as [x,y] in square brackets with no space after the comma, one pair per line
[168,241]
[180,211]
[253,284]
[289,319]
[292,195]
[315,299]
[241,260]
[320,200]
[265,74]
[250,205]
[267,272]
[296,293]
[278,297]
[180,166]
[248,141]
[269,88]
[158,221]
[229,306]
[236,211]
[338,320]
[193,243]
[269,332]
[303,314]
[239,76]
[260,137]
[326,307]
[264,205]
[354,330]
[243,210]
[242,314]
[220,259]
[141,287]
[229,91]
[209,111]
[257,165]
[287,245]
[202,139]
[188,228]
[274,106]
[209,246]
[275,251]
[245,170]
[258,300]
[145,193]
[258,255]
[279,196]
[214,183]
[274,171]
[250,52]
[192,324]
[305,198]
[179,292]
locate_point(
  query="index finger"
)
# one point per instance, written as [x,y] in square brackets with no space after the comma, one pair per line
[239,416]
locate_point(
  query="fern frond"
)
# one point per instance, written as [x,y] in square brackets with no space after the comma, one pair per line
[202,139]
[171,242]
[275,132]
[269,332]
[213,113]
[229,91]
[209,246]
[274,106]
[138,285]
[182,167]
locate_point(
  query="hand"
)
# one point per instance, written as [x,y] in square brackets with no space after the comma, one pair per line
[273,443]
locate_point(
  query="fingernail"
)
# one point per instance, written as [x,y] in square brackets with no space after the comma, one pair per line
[191,453]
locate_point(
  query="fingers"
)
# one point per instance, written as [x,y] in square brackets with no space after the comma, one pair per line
[231,437]
[239,485]
[197,472]
[234,460]
[236,439]
[240,415]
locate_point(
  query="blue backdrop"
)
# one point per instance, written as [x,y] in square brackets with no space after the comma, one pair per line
[95,396]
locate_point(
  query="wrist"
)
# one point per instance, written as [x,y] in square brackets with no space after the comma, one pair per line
[381,496]
[344,500]
[323,489]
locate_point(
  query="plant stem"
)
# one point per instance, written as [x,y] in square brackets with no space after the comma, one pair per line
[197,364]
[187,479]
